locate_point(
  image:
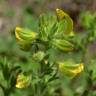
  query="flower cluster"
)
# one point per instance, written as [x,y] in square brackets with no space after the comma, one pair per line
[55,33]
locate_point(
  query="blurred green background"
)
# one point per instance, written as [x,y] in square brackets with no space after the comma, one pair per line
[25,13]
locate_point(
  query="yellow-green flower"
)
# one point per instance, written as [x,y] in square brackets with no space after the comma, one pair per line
[70,70]
[69,22]
[22,81]
[25,35]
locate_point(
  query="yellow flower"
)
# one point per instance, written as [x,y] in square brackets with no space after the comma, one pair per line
[22,81]
[71,70]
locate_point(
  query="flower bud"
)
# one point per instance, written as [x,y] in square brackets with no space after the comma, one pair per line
[25,35]
[68,21]
[70,70]
[61,13]
[38,56]
[63,45]
[22,81]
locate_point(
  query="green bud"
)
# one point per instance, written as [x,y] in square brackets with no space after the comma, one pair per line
[47,26]
[38,56]
[63,45]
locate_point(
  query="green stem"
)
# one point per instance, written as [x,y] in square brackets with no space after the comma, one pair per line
[89,85]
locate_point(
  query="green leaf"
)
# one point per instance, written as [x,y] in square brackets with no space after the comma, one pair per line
[86,18]
[92,67]
[52,55]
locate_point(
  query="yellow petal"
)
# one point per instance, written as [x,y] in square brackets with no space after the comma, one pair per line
[17,30]
[79,68]
[22,81]
[21,84]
